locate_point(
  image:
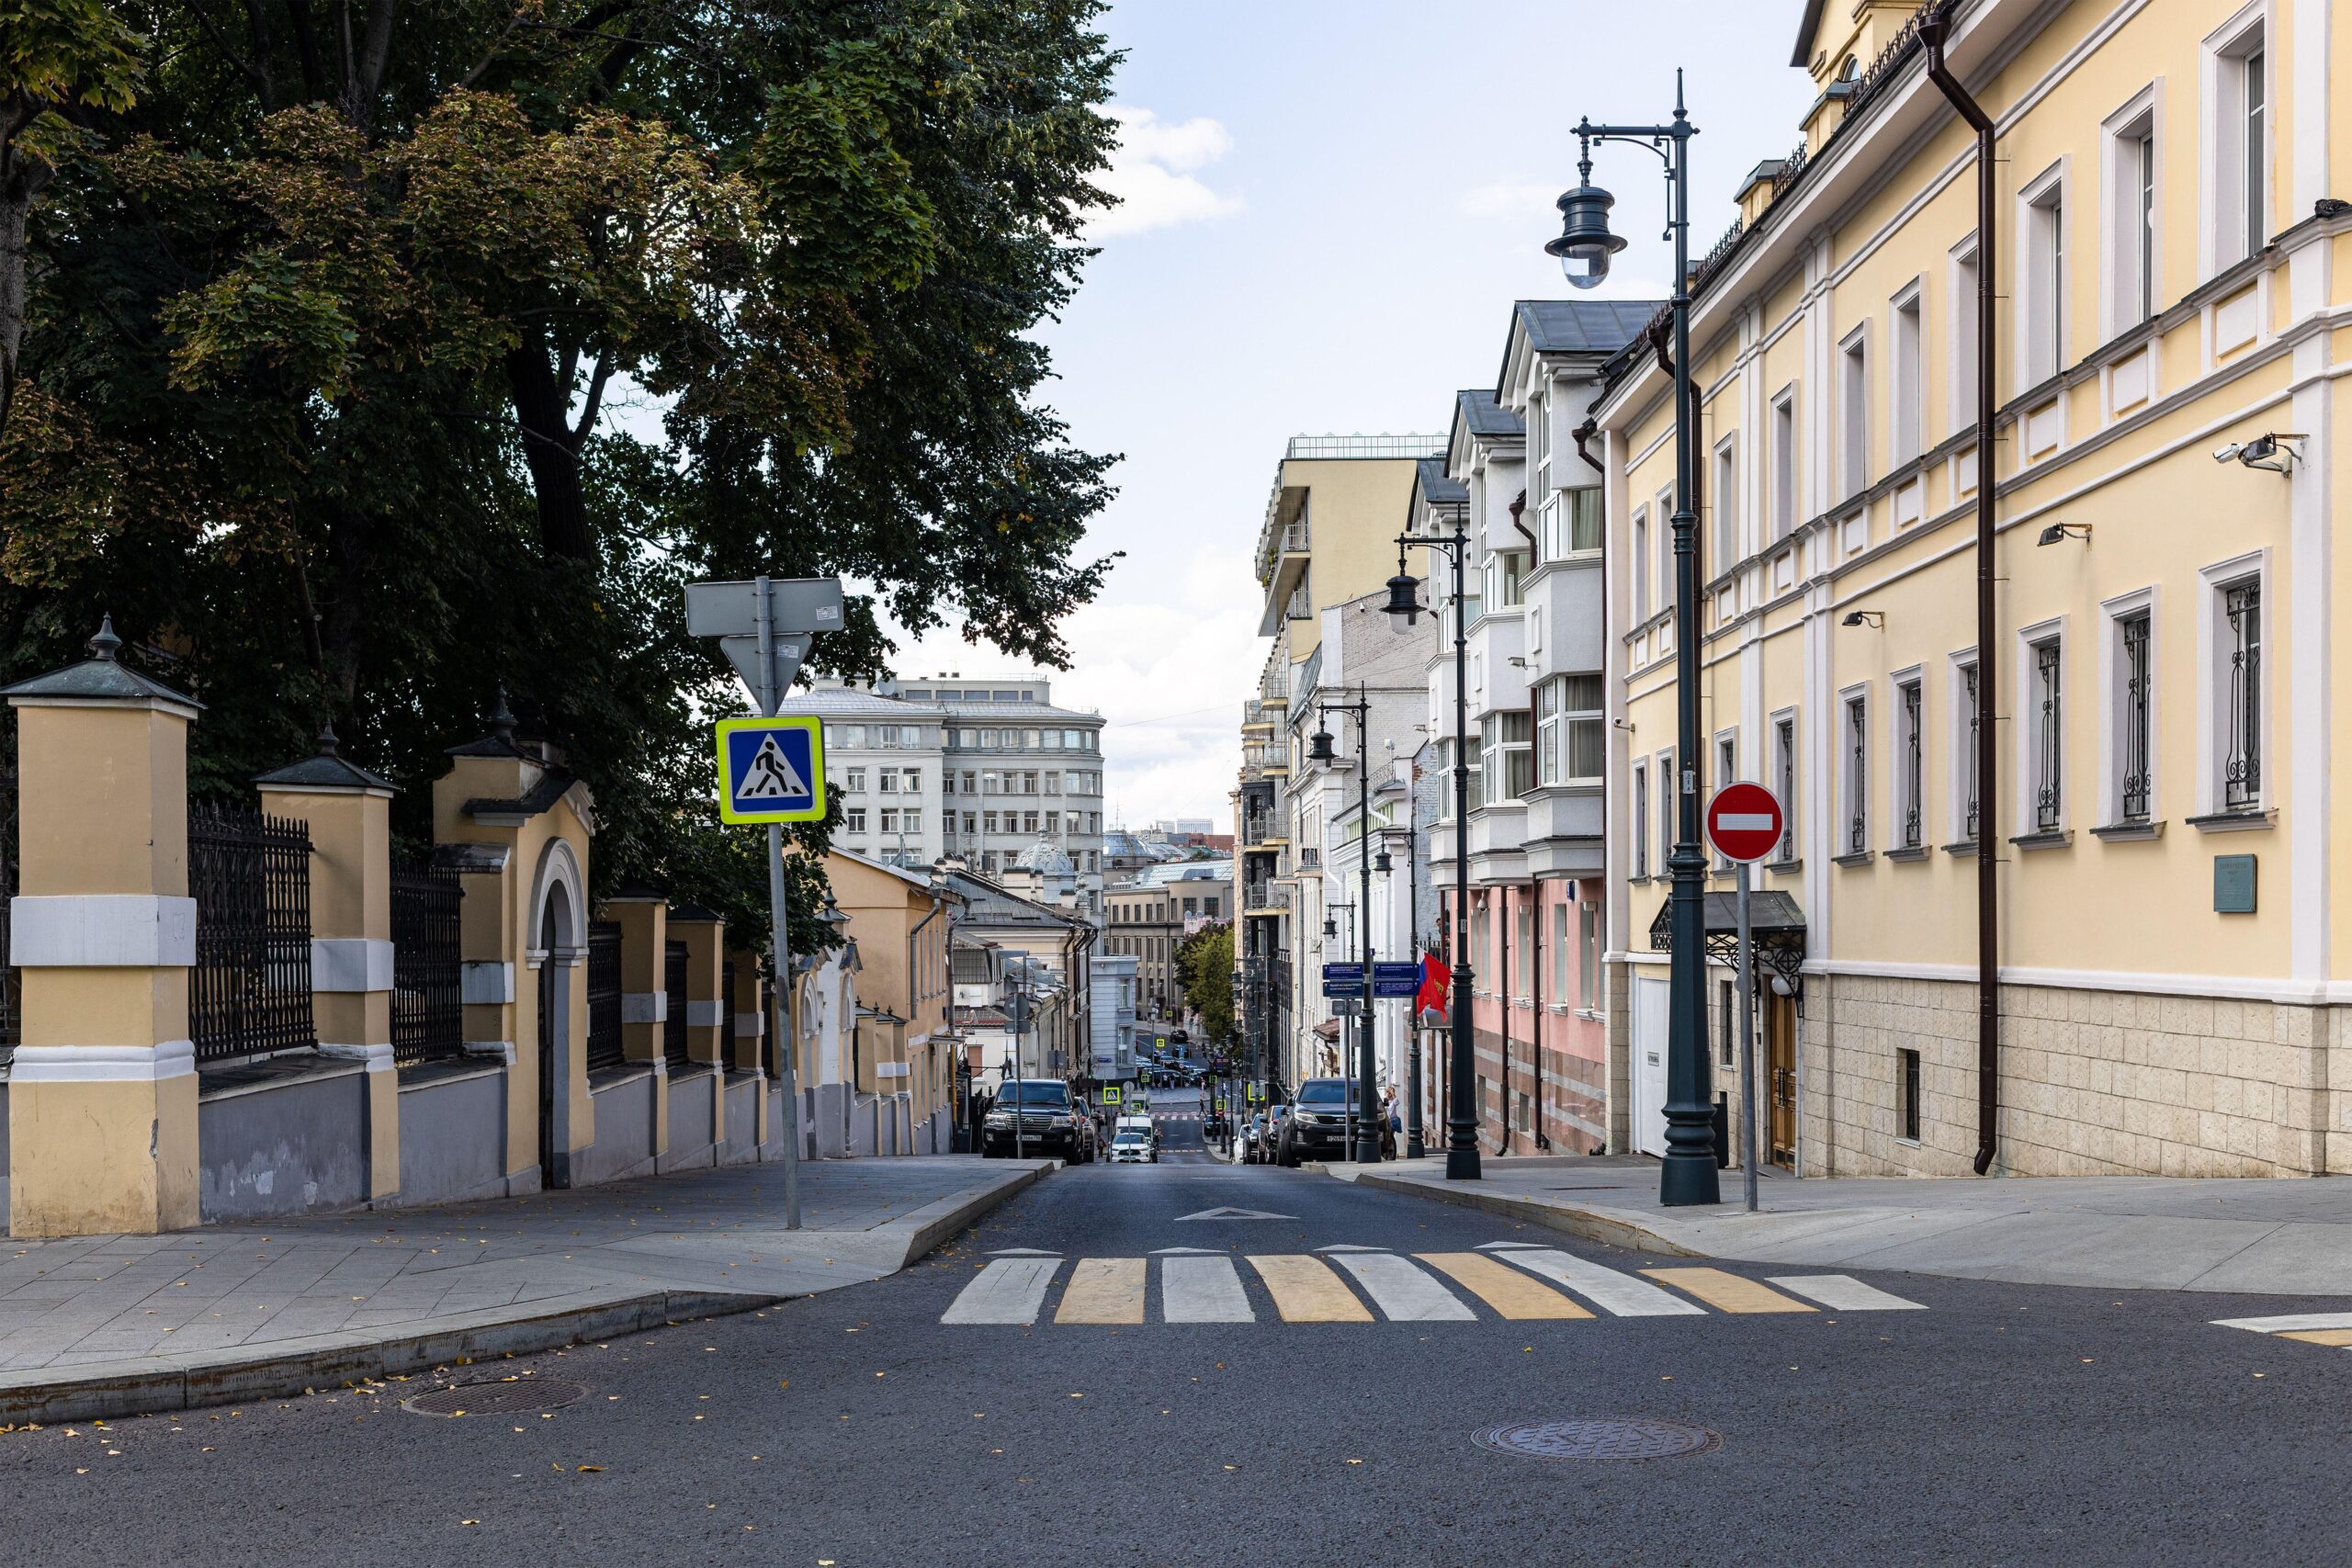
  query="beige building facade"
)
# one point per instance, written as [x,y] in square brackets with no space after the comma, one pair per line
[2158,692]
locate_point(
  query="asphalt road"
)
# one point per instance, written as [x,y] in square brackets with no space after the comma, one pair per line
[2000,1424]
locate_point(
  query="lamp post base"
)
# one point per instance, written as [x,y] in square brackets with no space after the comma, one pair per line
[1687,1180]
[1462,1165]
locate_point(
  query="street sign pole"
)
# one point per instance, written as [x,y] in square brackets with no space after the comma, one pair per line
[1746,1040]
[788,1045]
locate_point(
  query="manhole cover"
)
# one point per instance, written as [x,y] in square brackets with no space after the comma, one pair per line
[505,1396]
[1616,1436]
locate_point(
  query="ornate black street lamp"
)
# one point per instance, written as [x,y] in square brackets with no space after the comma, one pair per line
[1404,608]
[1321,750]
[1584,247]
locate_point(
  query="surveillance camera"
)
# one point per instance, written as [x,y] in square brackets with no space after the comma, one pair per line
[2227,454]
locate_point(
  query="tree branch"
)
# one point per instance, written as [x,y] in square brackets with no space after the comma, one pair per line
[375,54]
[306,49]
[251,72]
[597,381]
[491,54]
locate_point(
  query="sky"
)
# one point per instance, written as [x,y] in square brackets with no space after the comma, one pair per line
[1329,208]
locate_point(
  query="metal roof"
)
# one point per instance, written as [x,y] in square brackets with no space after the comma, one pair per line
[1476,407]
[100,678]
[1583,326]
[1438,488]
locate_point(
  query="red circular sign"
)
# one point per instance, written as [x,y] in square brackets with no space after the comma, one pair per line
[1744,821]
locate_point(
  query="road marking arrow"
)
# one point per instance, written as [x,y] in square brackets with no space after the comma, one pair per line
[1022,1252]
[1350,1247]
[1504,1245]
[1229,1214]
[1186,1252]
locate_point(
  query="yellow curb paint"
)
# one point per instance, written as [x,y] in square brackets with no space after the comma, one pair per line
[1307,1290]
[2319,1336]
[1728,1292]
[1509,1292]
[1103,1289]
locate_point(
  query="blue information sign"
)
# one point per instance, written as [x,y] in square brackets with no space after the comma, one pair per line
[1402,979]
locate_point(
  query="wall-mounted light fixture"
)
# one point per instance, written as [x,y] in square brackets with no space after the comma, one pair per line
[2057,532]
[1858,617]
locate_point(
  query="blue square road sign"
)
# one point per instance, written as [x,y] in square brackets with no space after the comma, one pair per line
[770,770]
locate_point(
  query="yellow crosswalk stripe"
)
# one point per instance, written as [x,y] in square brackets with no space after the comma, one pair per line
[2320,1335]
[1306,1290]
[1728,1292]
[1509,1292]
[1103,1289]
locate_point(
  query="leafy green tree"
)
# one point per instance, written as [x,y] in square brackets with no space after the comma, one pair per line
[325,337]
[1204,959]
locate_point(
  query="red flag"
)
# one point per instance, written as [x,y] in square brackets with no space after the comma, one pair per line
[1437,981]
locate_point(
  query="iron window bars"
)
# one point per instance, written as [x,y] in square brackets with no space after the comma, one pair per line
[673,1026]
[1912,780]
[1857,778]
[1785,742]
[2242,766]
[2049,760]
[1976,724]
[2133,804]
[428,966]
[605,1047]
[249,993]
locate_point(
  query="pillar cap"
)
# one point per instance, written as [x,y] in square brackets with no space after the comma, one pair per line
[324,771]
[101,678]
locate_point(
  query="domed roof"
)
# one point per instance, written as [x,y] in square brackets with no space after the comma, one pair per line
[1046,859]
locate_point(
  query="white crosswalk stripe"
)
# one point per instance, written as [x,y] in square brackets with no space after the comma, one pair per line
[1203,1290]
[1401,1291]
[1843,1292]
[1009,1289]
[1207,1287]
[1620,1295]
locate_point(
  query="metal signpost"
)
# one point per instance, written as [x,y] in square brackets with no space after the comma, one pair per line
[1743,824]
[765,627]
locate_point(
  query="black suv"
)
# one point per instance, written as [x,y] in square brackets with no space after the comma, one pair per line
[1049,1125]
[1317,1127]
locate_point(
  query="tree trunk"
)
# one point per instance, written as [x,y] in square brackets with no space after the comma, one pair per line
[21,177]
[550,450]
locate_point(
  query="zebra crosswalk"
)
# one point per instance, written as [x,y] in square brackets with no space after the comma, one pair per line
[2310,1327]
[1517,1284]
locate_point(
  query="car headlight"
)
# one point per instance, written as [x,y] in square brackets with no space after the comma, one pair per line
[999,1118]
[1060,1122]
[1304,1119]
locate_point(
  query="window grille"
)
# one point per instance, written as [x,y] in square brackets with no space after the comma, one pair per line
[2242,765]
[2133,782]
[604,1048]
[1785,743]
[428,1009]
[1857,778]
[1912,781]
[249,993]
[2048,784]
[1976,724]
[674,1029]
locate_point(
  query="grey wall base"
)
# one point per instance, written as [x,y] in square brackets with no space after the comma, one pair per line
[452,1139]
[624,1124]
[694,1140]
[297,1146]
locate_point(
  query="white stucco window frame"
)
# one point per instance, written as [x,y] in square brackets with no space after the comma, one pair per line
[1853,782]
[1791,844]
[1911,298]
[2038,315]
[2113,613]
[1957,780]
[2221,161]
[2027,754]
[1896,785]
[2212,665]
[2141,117]
[1959,396]
[1854,455]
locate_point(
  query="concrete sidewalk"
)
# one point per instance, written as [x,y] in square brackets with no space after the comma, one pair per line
[108,1325]
[2275,1237]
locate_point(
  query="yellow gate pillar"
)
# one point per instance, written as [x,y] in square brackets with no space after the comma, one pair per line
[643,916]
[102,1095]
[349,813]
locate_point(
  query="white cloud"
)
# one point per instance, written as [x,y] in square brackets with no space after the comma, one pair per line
[1150,173]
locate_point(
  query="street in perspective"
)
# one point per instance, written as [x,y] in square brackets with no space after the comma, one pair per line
[636,919]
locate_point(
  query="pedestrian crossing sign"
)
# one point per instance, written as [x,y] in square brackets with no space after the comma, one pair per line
[770,770]
[1110,1094]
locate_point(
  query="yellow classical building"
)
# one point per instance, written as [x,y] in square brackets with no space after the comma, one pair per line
[2164,235]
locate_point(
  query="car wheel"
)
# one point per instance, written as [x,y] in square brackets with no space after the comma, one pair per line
[1290,1154]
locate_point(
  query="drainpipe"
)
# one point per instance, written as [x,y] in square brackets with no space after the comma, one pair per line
[914,996]
[1582,433]
[1500,921]
[1518,521]
[1535,990]
[1935,30]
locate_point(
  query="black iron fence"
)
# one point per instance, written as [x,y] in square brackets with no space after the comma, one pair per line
[250,876]
[673,1031]
[12,1019]
[428,966]
[605,996]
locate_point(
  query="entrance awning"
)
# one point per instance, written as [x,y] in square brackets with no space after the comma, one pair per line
[1775,924]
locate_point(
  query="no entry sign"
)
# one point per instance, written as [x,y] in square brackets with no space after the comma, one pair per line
[1744,822]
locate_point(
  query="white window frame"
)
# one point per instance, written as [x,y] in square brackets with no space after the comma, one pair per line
[1854,412]
[1724,537]
[2131,237]
[1639,533]
[1853,770]
[2114,678]
[1906,378]
[2213,659]
[1725,753]
[1638,804]
[1786,739]
[1669,818]
[1960,380]
[2028,751]
[1785,460]
[2044,270]
[1662,512]
[1899,785]
[2222,240]
[1959,770]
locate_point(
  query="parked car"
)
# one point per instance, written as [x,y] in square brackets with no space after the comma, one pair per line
[1254,1134]
[1050,1124]
[1270,1141]
[1317,1127]
[1132,1148]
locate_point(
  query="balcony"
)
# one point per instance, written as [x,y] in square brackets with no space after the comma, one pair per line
[1259,757]
[1283,551]
[1310,860]
[1264,898]
[1262,830]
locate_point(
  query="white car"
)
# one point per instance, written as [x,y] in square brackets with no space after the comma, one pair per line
[1132,1148]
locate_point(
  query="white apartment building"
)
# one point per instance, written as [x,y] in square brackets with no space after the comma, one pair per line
[883,759]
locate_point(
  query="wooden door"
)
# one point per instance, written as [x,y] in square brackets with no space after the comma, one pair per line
[1780,1048]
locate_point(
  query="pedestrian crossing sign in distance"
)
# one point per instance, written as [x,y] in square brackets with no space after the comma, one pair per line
[770,770]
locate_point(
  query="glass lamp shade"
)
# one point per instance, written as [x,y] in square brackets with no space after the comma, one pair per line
[1585,244]
[1404,604]
[1319,748]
